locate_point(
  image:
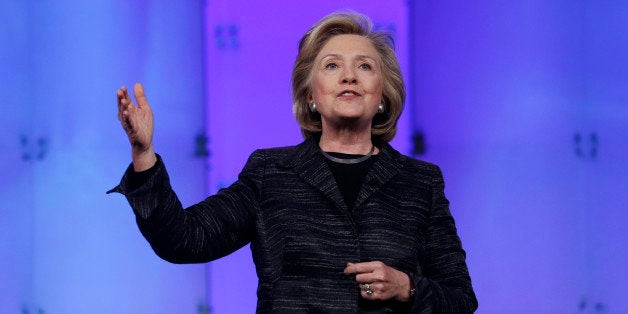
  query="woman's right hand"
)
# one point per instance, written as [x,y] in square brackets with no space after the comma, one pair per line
[138,124]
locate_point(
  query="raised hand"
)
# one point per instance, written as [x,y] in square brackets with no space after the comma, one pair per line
[138,124]
[384,282]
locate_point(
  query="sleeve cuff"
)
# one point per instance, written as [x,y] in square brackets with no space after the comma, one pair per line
[132,180]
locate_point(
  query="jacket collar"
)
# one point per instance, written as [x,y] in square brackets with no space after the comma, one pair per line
[311,166]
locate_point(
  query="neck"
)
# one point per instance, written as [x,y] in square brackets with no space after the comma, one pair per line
[346,141]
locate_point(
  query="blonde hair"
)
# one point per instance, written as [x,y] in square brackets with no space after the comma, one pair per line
[384,124]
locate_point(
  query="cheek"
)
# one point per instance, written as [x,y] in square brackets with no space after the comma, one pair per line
[321,87]
[375,86]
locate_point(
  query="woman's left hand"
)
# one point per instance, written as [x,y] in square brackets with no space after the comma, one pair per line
[379,281]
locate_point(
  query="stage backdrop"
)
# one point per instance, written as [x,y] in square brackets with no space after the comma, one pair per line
[65,246]
[250,49]
[523,104]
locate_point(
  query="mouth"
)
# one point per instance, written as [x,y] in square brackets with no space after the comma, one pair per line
[348,93]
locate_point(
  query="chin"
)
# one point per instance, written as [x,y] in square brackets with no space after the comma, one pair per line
[351,113]
[352,119]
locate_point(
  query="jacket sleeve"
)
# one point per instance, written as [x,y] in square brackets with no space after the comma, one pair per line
[211,229]
[443,285]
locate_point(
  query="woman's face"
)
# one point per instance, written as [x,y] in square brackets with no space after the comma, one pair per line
[347,81]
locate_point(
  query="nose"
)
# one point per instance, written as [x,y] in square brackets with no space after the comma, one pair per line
[348,76]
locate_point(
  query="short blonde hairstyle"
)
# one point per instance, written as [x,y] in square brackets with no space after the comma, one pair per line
[384,125]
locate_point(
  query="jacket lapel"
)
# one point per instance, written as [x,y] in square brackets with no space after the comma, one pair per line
[310,165]
[387,165]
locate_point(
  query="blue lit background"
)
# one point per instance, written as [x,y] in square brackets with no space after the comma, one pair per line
[523,104]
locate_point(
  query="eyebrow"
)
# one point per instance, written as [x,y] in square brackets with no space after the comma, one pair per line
[335,55]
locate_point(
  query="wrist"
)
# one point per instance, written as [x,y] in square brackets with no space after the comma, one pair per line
[407,290]
[143,160]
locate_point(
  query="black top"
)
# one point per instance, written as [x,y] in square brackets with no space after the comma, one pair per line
[350,177]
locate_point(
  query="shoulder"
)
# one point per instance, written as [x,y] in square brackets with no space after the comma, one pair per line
[288,156]
[273,153]
[264,161]
[412,166]
[274,156]
[422,167]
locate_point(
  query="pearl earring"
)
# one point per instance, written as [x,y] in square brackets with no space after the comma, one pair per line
[380,108]
[313,107]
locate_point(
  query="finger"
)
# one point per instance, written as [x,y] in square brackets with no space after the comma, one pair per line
[354,268]
[140,97]
[366,288]
[373,286]
[127,100]
[378,291]
[128,106]
[364,278]
[126,113]
[123,97]
[123,94]
[376,295]
[119,97]
[124,110]
[122,105]
[348,269]
[371,293]
[120,94]
[379,274]
[364,267]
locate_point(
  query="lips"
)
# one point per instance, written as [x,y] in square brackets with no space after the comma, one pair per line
[348,92]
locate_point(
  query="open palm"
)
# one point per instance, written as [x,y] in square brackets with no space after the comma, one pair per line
[137,122]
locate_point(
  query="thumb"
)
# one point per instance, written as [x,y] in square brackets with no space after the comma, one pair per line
[140,97]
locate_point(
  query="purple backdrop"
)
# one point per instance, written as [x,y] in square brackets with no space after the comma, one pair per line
[522,104]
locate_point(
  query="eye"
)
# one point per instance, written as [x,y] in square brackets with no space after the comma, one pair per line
[365,66]
[331,66]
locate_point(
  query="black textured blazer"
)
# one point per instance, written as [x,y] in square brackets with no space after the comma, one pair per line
[287,205]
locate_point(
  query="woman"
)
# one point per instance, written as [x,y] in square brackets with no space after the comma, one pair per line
[339,223]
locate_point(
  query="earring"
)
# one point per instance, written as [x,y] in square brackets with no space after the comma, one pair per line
[380,108]
[313,107]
